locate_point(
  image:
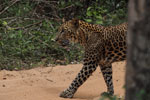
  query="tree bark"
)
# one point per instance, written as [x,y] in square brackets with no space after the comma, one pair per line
[138,59]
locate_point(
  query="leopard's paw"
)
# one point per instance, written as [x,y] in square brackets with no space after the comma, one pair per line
[67,94]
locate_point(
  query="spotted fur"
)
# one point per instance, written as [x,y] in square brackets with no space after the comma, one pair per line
[103,45]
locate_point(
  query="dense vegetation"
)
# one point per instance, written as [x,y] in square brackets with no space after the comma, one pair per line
[28,29]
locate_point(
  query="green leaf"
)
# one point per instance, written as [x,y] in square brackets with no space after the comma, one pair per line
[78,4]
[99,17]
[12,35]
[4,23]
[88,20]
[95,13]
[89,8]
[88,13]
[99,22]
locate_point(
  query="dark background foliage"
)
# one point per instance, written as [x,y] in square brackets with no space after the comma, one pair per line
[28,29]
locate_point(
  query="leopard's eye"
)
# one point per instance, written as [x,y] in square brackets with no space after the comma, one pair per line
[62,31]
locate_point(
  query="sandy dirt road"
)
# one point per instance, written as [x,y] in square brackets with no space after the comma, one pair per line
[46,83]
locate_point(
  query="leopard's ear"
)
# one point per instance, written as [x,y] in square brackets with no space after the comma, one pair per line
[63,20]
[75,22]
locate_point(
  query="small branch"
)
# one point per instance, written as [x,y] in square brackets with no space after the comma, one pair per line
[9,6]
[67,7]
[46,1]
[17,28]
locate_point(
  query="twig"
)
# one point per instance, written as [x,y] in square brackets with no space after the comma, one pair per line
[46,1]
[17,28]
[9,6]
[67,7]
[15,17]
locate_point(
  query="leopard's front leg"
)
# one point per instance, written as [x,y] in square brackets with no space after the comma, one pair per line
[107,74]
[88,68]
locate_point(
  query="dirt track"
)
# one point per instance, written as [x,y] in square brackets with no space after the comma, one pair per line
[46,83]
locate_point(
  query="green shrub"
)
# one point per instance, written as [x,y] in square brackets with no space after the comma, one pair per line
[28,29]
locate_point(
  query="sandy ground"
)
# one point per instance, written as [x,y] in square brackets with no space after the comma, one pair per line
[46,83]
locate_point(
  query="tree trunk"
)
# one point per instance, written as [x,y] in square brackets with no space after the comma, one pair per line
[138,60]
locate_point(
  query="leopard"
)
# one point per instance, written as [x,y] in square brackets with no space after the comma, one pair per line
[102,45]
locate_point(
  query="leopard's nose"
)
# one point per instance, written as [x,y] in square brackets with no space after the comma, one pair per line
[56,39]
[65,42]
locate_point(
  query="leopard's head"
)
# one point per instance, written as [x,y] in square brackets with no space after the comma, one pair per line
[67,32]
